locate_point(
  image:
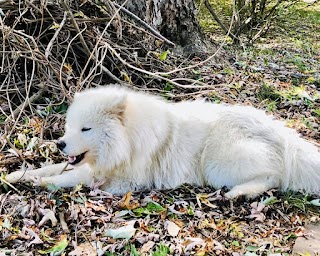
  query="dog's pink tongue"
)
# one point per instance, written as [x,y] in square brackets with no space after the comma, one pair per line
[71,159]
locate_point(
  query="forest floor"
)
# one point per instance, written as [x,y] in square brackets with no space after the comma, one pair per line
[280,74]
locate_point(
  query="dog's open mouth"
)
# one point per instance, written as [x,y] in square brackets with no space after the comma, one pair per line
[76,159]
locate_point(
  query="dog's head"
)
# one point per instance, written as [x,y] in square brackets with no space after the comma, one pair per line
[95,131]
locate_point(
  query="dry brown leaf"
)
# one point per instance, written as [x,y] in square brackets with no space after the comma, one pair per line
[191,242]
[172,228]
[95,207]
[126,204]
[85,249]
[300,231]
[147,247]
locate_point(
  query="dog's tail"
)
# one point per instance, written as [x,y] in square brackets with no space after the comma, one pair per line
[302,165]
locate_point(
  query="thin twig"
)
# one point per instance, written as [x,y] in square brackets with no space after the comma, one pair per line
[75,24]
[97,44]
[13,160]
[50,44]
[215,16]
[141,22]
[10,185]
[202,62]
[204,85]
[112,76]
[22,106]
[17,151]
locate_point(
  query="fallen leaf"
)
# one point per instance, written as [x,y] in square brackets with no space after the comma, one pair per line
[315,202]
[67,68]
[203,198]
[58,248]
[95,207]
[191,242]
[300,231]
[54,26]
[172,228]
[163,56]
[126,232]
[85,249]
[147,247]
[125,204]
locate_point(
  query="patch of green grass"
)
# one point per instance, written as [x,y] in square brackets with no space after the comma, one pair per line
[317,112]
[2,118]
[268,92]
[307,123]
[168,87]
[110,254]
[152,208]
[300,63]
[161,250]
[299,24]
[61,109]
[228,71]
[215,99]
[207,22]
[296,93]
[301,201]
[133,250]
[309,14]
[272,106]
[266,51]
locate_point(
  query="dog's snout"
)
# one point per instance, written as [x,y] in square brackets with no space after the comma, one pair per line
[61,144]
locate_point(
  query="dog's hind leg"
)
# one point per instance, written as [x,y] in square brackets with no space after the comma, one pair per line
[46,171]
[253,187]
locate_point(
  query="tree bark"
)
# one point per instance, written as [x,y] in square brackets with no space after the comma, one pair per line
[174,19]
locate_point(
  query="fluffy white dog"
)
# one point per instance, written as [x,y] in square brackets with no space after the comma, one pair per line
[133,141]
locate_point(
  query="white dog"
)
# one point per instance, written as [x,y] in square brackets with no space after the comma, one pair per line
[135,141]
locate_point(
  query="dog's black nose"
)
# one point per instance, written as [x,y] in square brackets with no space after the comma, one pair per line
[61,144]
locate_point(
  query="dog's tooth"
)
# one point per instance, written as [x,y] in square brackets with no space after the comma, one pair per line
[71,159]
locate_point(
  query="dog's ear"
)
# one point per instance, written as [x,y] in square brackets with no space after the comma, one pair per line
[119,107]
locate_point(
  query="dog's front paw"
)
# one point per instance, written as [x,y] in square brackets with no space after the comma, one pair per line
[21,176]
[237,192]
[15,176]
[233,193]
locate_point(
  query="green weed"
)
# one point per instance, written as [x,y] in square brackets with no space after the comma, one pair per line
[161,250]
[317,112]
[268,92]
[133,250]
[301,201]
[152,208]
[272,106]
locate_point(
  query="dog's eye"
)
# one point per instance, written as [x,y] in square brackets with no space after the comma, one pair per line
[85,129]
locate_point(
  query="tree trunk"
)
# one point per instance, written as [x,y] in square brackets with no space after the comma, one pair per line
[174,19]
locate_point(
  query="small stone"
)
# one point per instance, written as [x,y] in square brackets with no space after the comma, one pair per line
[219,76]
[309,245]
[274,66]
[258,69]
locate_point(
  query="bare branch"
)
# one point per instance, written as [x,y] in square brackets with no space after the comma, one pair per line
[215,16]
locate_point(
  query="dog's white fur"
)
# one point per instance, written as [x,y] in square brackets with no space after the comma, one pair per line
[139,141]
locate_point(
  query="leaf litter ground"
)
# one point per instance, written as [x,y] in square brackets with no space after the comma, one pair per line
[183,221]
